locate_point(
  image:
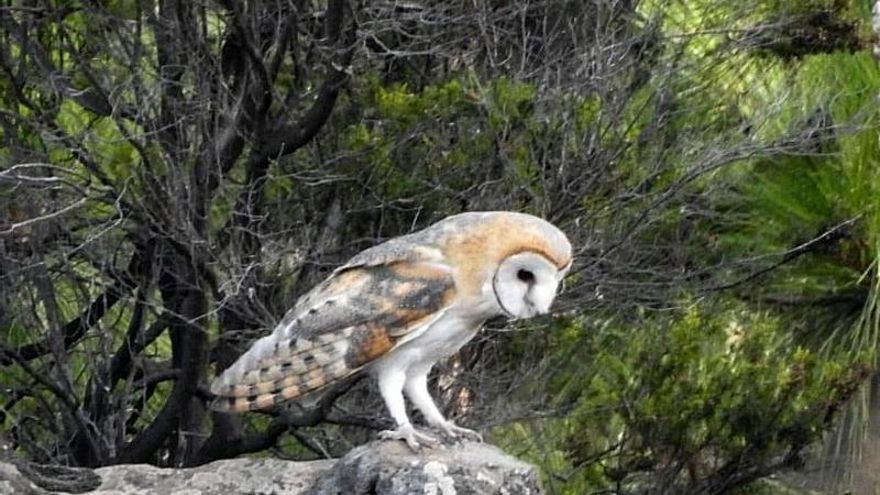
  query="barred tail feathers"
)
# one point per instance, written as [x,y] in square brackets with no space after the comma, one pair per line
[274,371]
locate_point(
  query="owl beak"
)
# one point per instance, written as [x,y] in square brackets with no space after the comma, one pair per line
[561,277]
[537,309]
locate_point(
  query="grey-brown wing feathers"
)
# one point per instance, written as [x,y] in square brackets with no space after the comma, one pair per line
[353,318]
[399,250]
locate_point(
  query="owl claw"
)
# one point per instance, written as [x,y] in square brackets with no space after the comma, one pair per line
[413,438]
[454,431]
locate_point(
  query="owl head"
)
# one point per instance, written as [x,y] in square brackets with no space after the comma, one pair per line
[516,261]
[526,284]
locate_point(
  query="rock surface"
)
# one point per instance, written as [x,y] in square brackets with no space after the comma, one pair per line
[380,468]
[12,481]
[390,468]
[246,475]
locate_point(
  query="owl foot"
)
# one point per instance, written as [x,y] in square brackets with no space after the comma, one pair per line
[413,438]
[456,432]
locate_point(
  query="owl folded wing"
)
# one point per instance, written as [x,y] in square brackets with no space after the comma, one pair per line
[365,309]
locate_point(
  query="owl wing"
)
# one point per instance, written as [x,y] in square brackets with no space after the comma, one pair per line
[363,311]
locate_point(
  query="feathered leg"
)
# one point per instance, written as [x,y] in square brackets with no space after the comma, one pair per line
[416,387]
[391,382]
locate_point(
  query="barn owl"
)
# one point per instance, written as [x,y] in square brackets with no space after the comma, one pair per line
[396,309]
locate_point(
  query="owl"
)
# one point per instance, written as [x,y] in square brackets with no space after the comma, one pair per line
[396,309]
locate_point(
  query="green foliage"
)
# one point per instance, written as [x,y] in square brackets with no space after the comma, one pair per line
[678,402]
[815,209]
[446,133]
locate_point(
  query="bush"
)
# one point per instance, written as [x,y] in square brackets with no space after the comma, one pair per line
[702,401]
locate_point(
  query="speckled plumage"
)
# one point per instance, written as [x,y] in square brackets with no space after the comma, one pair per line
[399,307]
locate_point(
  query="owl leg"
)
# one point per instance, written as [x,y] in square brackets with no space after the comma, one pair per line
[391,387]
[416,388]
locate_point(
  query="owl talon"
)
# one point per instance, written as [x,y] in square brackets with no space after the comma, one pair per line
[454,431]
[413,438]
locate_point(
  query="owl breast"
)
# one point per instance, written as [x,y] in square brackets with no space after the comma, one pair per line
[437,340]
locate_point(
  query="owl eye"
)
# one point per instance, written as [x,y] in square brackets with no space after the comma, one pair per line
[526,276]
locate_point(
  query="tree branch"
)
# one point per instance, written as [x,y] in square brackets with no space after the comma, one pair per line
[76,328]
[290,135]
[88,98]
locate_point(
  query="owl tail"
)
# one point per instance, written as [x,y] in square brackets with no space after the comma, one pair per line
[274,371]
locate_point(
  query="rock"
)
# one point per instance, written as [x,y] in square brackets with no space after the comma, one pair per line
[379,468]
[55,478]
[13,482]
[27,478]
[229,476]
[226,477]
[390,468]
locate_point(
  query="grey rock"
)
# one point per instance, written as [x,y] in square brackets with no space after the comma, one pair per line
[377,468]
[13,482]
[245,475]
[55,478]
[390,468]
